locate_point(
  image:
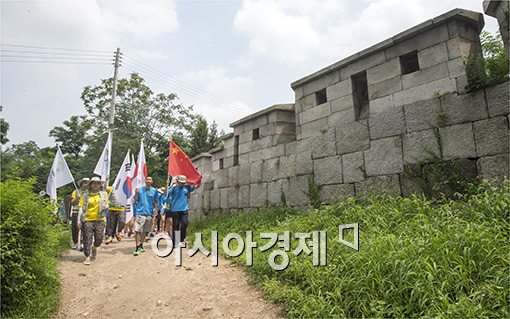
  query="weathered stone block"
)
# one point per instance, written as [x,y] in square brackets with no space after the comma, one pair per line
[332,193]
[256,172]
[224,198]
[233,176]
[245,137]
[498,99]
[215,198]
[275,189]
[412,181]
[314,128]
[381,104]
[206,200]
[340,118]
[425,91]
[303,163]
[321,83]
[420,147]
[362,64]
[352,137]
[305,103]
[378,184]
[281,116]
[262,143]
[353,167]
[287,167]
[456,67]
[426,75]
[315,113]
[422,115]
[434,55]
[244,174]
[385,87]
[339,89]
[255,123]
[384,71]
[243,199]
[244,159]
[491,136]
[388,123]
[384,157]
[255,156]
[221,178]
[283,139]
[298,191]
[325,146]
[492,167]
[458,141]
[464,108]
[232,197]
[343,103]
[272,152]
[271,168]
[328,170]
[424,40]
[258,195]
[267,130]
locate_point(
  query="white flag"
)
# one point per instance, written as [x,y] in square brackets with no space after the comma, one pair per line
[60,175]
[122,185]
[130,207]
[103,165]
[141,169]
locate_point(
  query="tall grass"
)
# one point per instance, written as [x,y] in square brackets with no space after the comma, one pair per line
[418,257]
[31,239]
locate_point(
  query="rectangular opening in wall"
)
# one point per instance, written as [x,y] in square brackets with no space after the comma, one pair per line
[321,97]
[409,62]
[221,163]
[255,134]
[360,95]
[236,150]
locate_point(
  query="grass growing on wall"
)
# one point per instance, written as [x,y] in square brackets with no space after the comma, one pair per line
[418,257]
[31,240]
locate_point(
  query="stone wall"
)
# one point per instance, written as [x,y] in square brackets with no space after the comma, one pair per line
[381,119]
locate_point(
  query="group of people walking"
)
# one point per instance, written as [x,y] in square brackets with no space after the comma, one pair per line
[96,214]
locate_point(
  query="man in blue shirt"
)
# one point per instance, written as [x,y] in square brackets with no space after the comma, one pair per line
[146,200]
[178,196]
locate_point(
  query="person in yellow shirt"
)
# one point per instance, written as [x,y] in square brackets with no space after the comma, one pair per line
[75,199]
[94,205]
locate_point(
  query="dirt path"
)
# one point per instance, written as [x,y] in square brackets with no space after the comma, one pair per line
[117,284]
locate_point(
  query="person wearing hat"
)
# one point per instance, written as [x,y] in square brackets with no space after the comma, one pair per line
[116,218]
[75,199]
[94,205]
[178,196]
[146,201]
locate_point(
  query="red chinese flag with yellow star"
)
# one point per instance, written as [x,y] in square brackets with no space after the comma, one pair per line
[180,164]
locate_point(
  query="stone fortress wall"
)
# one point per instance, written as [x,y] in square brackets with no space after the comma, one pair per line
[373,121]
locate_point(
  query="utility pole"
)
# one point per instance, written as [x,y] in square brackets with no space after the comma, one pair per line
[112,108]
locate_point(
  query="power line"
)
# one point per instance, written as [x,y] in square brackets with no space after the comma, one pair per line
[56,58]
[52,48]
[57,53]
[55,62]
[186,91]
[180,83]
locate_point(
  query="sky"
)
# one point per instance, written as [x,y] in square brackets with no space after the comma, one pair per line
[226,58]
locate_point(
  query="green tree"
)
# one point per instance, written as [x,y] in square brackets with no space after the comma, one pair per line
[139,114]
[203,137]
[4,127]
[73,135]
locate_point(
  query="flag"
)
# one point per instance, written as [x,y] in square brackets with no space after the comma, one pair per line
[121,185]
[60,175]
[103,165]
[140,173]
[180,164]
[129,189]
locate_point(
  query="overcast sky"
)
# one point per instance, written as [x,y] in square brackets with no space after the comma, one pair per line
[245,53]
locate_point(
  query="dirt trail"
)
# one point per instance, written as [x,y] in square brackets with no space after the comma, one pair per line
[118,284]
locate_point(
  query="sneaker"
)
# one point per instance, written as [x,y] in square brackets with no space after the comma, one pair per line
[86,261]
[94,251]
[74,246]
[119,237]
[137,252]
[142,249]
[108,240]
[81,247]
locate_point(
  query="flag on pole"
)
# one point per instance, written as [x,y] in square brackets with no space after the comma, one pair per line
[140,173]
[180,164]
[60,175]
[128,186]
[103,165]
[121,185]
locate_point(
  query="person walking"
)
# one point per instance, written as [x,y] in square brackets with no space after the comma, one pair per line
[146,201]
[75,210]
[178,195]
[116,219]
[94,205]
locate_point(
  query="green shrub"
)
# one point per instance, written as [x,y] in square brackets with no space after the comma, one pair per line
[418,257]
[31,239]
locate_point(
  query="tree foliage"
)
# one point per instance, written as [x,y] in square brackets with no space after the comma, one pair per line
[4,127]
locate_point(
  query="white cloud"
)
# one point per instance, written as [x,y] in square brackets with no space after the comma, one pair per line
[307,33]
